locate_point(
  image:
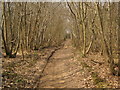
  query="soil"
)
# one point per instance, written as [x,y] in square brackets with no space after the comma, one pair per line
[65,69]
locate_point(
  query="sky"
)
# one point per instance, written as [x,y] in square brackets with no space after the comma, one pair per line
[59,0]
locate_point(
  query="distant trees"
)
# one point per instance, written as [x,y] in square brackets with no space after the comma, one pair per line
[10,33]
[119,38]
[107,42]
[31,26]
[95,29]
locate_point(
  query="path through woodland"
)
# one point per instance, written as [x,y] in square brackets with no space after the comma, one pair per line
[60,44]
[65,69]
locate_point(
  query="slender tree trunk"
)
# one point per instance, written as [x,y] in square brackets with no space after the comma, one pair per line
[119,38]
[4,29]
[84,29]
[110,58]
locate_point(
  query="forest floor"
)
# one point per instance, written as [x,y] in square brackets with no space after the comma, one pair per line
[64,69]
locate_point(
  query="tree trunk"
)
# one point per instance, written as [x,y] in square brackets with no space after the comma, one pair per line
[109,55]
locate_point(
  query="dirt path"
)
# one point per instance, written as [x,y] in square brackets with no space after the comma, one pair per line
[63,71]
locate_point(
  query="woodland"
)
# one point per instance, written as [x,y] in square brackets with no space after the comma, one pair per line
[60,44]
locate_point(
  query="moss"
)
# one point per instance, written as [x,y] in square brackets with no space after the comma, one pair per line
[9,74]
[102,85]
[31,63]
[85,65]
[81,70]
[20,80]
[13,79]
[83,56]
[99,82]
[94,74]
[11,65]
[90,69]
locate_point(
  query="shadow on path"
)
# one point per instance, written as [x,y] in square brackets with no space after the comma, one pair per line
[63,70]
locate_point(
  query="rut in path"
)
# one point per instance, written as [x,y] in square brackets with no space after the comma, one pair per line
[62,71]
